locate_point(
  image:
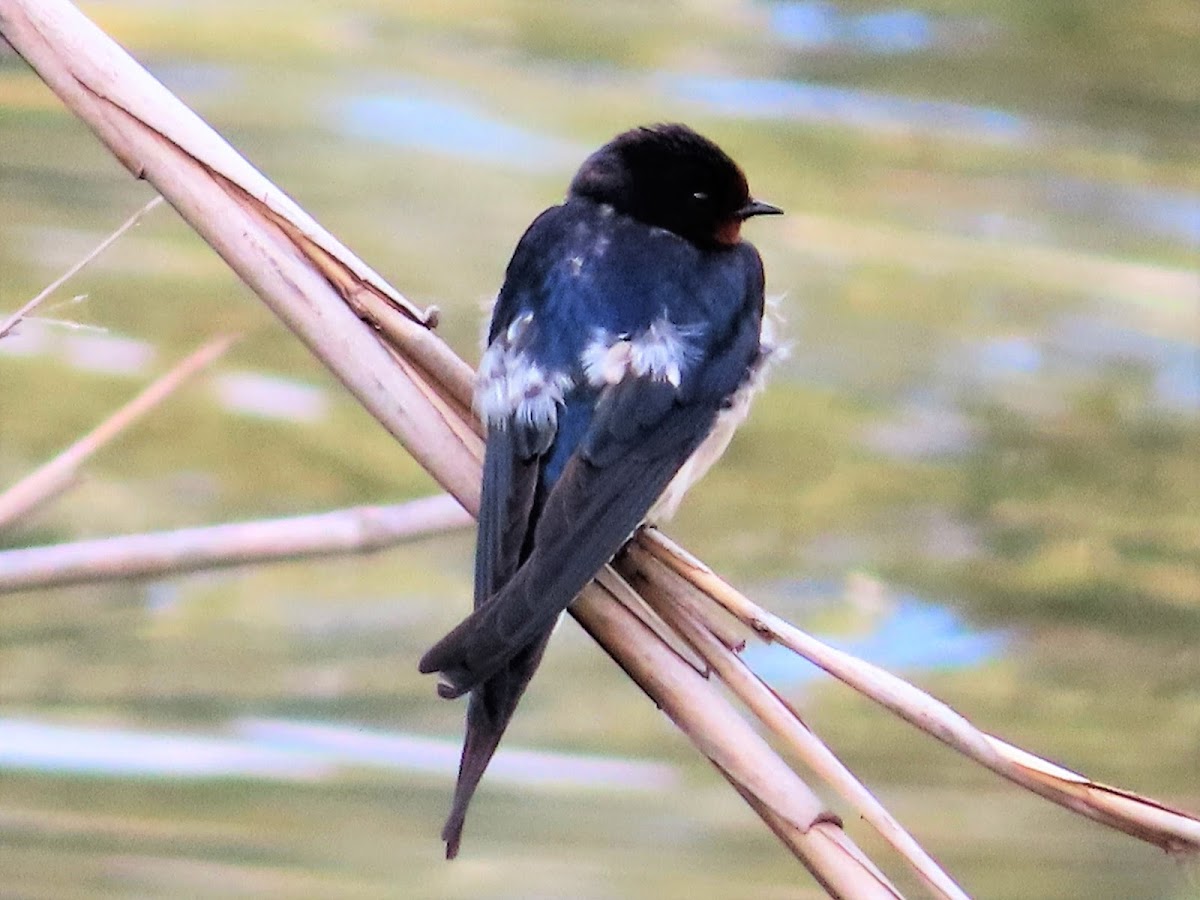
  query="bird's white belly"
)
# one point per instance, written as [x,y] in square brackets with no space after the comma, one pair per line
[705,455]
[727,423]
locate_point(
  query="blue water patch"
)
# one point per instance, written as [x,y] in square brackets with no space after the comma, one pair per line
[1082,348]
[245,392]
[806,25]
[825,104]
[1091,343]
[818,25]
[1001,358]
[280,750]
[1177,384]
[413,118]
[30,745]
[1168,213]
[908,635]
[921,431]
[893,31]
[1159,211]
[263,396]
[194,78]
[353,745]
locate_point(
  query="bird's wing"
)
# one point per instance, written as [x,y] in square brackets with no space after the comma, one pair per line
[643,430]
[519,398]
[517,445]
[510,475]
[489,711]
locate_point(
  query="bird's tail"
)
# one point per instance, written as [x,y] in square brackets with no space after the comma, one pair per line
[489,711]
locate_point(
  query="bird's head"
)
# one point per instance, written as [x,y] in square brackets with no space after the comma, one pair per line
[674,178]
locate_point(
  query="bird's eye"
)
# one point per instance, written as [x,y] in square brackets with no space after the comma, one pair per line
[700,195]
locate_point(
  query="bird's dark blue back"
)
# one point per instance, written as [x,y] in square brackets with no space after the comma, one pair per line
[581,267]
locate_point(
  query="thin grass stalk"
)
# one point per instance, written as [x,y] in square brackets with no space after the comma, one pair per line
[317,286]
[15,319]
[359,529]
[51,478]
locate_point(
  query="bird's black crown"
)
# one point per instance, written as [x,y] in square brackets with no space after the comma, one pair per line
[671,177]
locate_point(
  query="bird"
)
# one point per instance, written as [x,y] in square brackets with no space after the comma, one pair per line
[623,347]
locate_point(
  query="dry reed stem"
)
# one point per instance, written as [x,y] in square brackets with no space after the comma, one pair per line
[54,476]
[15,319]
[302,273]
[1174,830]
[318,288]
[358,529]
[608,579]
[792,811]
[678,609]
[846,858]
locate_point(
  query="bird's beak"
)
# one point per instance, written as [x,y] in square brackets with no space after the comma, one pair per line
[758,208]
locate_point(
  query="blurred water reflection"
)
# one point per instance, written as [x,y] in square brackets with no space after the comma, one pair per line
[989,281]
[822,104]
[818,25]
[296,751]
[409,116]
[908,634]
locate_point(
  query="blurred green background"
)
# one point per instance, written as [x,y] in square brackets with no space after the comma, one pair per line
[978,467]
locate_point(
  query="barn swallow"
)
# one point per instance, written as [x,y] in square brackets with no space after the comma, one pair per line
[623,347]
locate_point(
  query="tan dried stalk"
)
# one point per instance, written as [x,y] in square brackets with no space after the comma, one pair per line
[359,529]
[1174,830]
[684,609]
[55,476]
[421,392]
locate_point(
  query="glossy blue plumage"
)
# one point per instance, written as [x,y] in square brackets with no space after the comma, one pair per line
[582,267]
[629,318]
